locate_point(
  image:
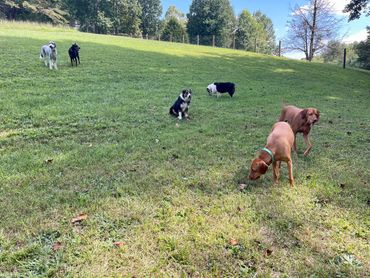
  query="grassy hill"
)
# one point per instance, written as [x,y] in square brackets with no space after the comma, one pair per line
[98,140]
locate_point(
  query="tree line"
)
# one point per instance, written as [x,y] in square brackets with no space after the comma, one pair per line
[209,22]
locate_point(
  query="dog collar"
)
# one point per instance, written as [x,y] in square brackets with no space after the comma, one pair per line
[270,153]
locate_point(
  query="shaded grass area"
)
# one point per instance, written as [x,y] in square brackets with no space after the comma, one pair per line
[97,139]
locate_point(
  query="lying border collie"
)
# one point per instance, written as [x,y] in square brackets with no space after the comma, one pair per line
[221,87]
[73,52]
[48,54]
[181,105]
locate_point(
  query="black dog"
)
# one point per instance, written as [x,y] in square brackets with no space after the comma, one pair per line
[181,105]
[73,52]
[221,87]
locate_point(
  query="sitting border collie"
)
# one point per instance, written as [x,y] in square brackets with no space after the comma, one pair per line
[181,105]
[221,87]
[48,53]
[73,52]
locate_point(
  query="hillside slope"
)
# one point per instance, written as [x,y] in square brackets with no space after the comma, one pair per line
[98,140]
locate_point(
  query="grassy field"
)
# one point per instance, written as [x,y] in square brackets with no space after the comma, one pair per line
[98,140]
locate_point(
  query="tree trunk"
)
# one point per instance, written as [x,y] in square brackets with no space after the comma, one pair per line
[313,32]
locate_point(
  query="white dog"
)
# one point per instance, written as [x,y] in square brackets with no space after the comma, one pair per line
[48,53]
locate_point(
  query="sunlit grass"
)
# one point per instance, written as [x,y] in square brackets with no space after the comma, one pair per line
[97,139]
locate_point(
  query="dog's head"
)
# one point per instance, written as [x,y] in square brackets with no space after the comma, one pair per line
[52,44]
[258,168]
[76,47]
[186,95]
[211,89]
[310,115]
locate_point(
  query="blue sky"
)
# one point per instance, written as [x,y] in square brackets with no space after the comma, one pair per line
[278,12]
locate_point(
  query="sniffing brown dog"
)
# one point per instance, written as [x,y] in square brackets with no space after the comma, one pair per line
[278,148]
[301,121]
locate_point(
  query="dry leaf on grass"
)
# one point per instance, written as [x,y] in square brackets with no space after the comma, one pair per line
[233,242]
[57,245]
[79,218]
[49,161]
[119,244]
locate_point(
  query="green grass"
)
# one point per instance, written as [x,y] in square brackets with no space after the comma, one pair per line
[171,193]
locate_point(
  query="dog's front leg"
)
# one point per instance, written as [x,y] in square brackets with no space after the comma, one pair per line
[276,170]
[290,172]
[308,143]
[180,116]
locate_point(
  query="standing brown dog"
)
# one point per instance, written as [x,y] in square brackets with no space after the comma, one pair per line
[301,121]
[278,148]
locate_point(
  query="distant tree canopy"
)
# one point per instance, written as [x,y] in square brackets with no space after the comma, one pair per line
[150,16]
[363,52]
[211,17]
[356,7]
[34,10]
[255,33]
[174,30]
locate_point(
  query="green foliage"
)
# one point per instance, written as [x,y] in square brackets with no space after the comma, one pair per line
[356,7]
[175,30]
[266,41]
[151,12]
[34,10]
[125,15]
[363,52]
[249,32]
[211,17]
[334,53]
[173,12]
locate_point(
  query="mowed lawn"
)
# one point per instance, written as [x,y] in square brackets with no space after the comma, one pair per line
[98,140]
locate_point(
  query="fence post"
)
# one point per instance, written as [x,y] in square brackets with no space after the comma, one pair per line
[183,38]
[213,40]
[170,37]
[159,37]
[279,48]
[147,36]
[234,41]
[197,39]
[344,57]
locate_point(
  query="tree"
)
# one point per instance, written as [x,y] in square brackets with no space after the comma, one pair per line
[125,16]
[173,12]
[355,8]
[311,26]
[333,53]
[363,52]
[267,42]
[247,32]
[174,30]
[151,12]
[211,17]
[34,10]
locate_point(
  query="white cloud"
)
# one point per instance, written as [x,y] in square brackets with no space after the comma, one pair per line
[359,36]
[339,5]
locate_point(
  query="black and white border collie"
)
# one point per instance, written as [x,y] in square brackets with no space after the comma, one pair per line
[181,106]
[221,87]
[48,54]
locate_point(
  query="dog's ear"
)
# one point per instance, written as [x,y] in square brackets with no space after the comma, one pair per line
[304,114]
[263,167]
[317,113]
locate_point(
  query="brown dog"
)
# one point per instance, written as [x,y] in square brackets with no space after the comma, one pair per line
[301,121]
[278,148]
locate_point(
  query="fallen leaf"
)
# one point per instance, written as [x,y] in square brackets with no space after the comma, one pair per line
[177,125]
[48,161]
[57,245]
[242,186]
[79,218]
[268,252]
[233,242]
[119,244]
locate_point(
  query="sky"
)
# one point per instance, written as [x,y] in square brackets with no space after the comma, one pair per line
[279,12]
